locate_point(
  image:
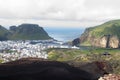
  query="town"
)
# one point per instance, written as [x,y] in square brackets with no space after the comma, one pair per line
[12,50]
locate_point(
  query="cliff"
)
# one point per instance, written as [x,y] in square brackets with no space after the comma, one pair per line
[105,35]
[24,32]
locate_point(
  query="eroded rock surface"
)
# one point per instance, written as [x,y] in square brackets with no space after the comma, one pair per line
[110,77]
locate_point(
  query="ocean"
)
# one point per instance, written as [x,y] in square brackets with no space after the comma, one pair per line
[64,34]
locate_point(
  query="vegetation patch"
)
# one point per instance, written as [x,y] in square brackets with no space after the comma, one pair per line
[94,54]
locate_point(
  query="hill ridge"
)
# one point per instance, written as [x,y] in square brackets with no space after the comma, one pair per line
[105,35]
[24,31]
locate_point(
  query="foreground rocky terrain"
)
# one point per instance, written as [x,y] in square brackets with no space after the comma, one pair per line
[35,69]
[41,69]
[110,77]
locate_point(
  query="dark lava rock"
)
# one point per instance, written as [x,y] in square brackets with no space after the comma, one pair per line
[37,69]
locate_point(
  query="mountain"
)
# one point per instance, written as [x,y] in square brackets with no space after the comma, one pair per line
[24,32]
[106,35]
[3,33]
[28,32]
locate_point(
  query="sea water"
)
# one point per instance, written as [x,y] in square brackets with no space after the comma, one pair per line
[64,34]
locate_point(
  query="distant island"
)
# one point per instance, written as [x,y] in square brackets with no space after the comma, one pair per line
[106,35]
[24,32]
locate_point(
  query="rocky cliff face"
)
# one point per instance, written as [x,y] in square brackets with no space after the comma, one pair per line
[105,35]
[112,42]
[103,41]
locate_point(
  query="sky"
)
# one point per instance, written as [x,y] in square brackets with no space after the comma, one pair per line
[58,13]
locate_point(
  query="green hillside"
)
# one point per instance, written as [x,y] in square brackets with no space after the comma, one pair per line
[24,32]
[98,35]
[28,32]
[3,33]
[111,27]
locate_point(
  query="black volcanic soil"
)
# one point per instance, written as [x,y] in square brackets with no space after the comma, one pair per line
[37,69]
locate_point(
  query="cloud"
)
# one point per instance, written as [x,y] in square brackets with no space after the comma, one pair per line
[42,9]
[103,8]
[58,12]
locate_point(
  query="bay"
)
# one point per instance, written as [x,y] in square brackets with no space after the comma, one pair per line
[64,34]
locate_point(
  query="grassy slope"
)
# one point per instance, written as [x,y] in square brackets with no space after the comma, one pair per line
[35,33]
[3,33]
[64,54]
[111,27]
[30,37]
[71,54]
[26,32]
